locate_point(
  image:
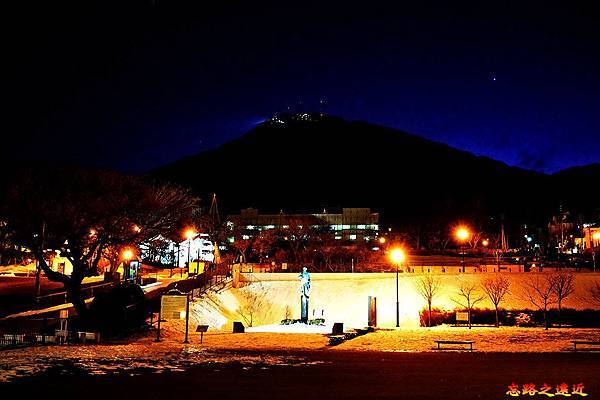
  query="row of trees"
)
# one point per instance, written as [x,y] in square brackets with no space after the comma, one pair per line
[299,244]
[541,291]
[89,216]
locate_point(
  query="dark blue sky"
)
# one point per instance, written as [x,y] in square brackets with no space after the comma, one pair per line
[139,85]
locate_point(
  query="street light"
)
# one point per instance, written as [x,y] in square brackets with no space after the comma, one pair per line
[595,236]
[397,256]
[189,234]
[127,256]
[462,235]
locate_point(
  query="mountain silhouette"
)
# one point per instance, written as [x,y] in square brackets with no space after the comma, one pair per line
[307,162]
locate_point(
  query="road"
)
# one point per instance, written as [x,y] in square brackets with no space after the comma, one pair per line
[333,375]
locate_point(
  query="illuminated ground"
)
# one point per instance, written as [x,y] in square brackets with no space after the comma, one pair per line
[143,355]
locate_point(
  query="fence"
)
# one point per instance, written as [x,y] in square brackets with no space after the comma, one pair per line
[26,339]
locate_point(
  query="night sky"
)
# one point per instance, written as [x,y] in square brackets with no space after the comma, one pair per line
[135,86]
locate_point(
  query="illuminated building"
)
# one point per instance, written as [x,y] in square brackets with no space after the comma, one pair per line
[350,224]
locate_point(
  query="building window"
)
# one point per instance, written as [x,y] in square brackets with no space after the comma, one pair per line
[345,227]
[352,237]
[361,227]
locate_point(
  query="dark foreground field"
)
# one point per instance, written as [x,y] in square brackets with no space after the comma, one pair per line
[332,375]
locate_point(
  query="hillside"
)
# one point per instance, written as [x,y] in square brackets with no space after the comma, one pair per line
[311,161]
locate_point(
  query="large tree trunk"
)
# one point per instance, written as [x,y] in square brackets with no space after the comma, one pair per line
[75,297]
[497,321]
[429,315]
[469,311]
[559,308]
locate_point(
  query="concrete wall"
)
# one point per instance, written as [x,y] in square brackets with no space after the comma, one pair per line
[343,297]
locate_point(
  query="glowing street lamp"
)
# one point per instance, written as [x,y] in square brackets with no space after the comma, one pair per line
[397,256]
[127,257]
[462,235]
[127,254]
[595,236]
[382,240]
[189,234]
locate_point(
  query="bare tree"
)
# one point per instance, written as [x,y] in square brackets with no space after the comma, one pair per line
[540,292]
[263,244]
[241,242]
[428,287]
[563,285]
[469,297]
[253,302]
[496,288]
[83,212]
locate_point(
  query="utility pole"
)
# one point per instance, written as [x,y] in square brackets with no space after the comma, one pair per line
[187,318]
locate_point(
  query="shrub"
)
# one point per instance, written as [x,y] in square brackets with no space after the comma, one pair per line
[522,318]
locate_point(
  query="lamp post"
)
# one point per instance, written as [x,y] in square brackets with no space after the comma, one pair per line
[397,256]
[462,235]
[189,234]
[485,243]
[127,256]
[593,238]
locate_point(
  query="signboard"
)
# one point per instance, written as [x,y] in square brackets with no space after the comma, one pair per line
[462,316]
[195,268]
[173,306]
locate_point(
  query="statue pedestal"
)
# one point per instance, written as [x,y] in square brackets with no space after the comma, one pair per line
[304,309]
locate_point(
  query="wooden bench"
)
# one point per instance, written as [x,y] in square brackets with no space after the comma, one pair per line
[458,342]
[85,336]
[585,343]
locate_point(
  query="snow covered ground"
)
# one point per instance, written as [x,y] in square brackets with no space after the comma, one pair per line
[291,328]
[143,355]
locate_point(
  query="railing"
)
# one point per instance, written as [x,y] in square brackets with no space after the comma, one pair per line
[58,298]
[9,340]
